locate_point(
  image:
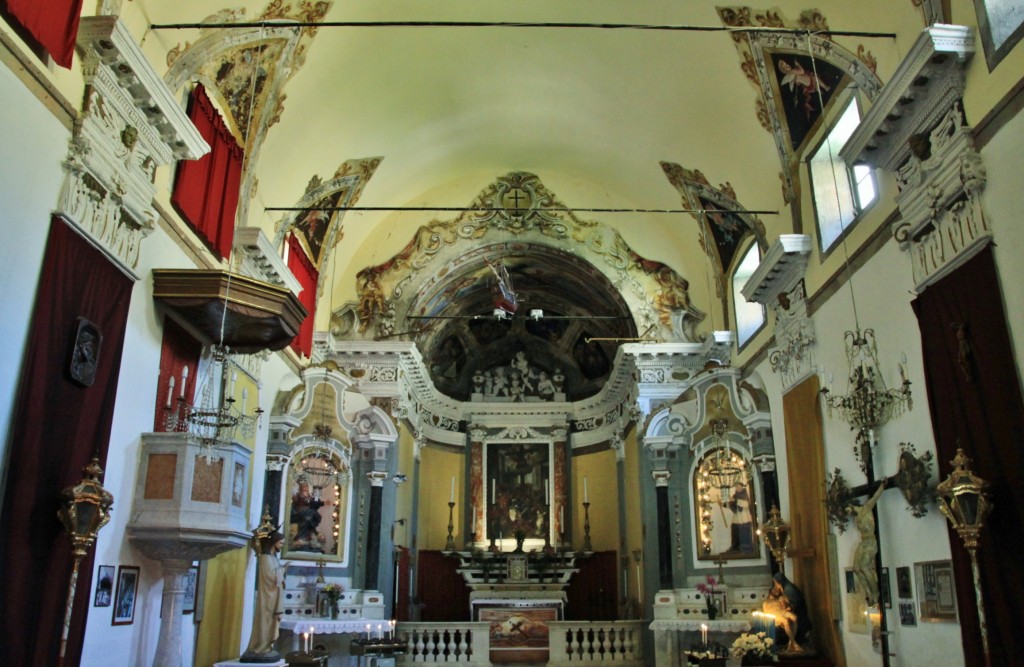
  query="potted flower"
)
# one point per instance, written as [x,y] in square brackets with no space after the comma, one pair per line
[754,648]
[707,589]
[333,593]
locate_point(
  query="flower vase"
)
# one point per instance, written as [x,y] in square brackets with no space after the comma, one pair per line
[712,612]
[334,612]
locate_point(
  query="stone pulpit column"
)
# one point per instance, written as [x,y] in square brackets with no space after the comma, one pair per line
[373,529]
[661,478]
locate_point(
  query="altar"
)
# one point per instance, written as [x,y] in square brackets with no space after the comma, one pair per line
[334,636]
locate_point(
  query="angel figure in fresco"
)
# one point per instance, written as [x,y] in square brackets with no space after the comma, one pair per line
[371,298]
[800,82]
[672,296]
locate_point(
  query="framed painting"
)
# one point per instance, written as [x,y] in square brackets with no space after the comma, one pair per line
[935,591]
[191,585]
[1001,25]
[907,616]
[803,89]
[124,597]
[104,586]
[518,634]
[518,494]
[904,591]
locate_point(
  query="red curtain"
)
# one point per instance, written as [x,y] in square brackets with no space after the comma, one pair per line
[975,400]
[302,268]
[442,590]
[206,190]
[179,359]
[52,24]
[58,426]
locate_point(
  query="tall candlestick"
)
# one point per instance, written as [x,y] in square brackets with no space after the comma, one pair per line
[451,497]
[586,496]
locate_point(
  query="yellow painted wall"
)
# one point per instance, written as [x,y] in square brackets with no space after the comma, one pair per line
[437,469]
[600,472]
[404,494]
[220,632]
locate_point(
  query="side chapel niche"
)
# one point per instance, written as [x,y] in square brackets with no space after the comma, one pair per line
[324,428]
[725,426]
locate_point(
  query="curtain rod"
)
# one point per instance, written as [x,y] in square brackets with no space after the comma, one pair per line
[562,209]
[502,24]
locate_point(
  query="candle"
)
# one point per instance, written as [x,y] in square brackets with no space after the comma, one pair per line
[367,631]
[380,631]
[184,381]
[170,390]
[245,398]
[561,518]
[494,492]
[586,496]
[305,642]
[231,391]
[704,634]
[472,520]
[546,501]
[392,633]
[451,497]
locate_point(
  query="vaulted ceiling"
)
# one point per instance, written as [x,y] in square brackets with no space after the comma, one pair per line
[592,112]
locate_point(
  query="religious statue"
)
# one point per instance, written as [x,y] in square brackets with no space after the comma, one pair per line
[305,515]
[864,571]
[269,606]
[786,603]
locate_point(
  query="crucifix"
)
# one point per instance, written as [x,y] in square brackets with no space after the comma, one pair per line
[721,563]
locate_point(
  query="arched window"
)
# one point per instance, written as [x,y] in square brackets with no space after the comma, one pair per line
[750,316]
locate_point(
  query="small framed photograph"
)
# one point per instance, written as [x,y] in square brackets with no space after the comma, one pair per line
[104,586]
[124,598]
[935,591]
[907,613]
[884,592]
[903,588]
[191,583]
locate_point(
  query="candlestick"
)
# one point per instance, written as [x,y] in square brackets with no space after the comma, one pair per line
[450,544]
[586,525]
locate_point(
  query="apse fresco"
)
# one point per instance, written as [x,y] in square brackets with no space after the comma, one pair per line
[802,88]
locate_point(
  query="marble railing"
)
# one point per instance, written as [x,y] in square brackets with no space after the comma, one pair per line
[619,642]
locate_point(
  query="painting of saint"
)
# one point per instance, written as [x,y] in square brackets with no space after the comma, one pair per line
[313,224]
[518,477]
[727,229]
[802,89]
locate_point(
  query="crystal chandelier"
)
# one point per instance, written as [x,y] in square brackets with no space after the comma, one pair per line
[868,403]
[722,468]
[214,425]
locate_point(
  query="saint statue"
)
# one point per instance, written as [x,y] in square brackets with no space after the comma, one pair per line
[266,619]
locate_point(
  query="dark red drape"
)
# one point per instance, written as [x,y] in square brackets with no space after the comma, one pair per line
[593,593]
[206,190]
[179,351]
[52,24]
[442,590]
[975,399]
[58,427]
[302,268]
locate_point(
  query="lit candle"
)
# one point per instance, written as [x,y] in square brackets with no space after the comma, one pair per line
[392,625]
[704,634]
[367,631]
[305,641]
[586,496]
[170,390]
[380,631]
[451,497]
[184,381]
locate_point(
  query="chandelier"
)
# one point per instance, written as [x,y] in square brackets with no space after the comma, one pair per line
[319,463]
[214,425]
[868,403]
[725,467]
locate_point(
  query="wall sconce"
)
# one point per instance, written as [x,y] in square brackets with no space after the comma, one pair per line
[776,534]
[964,500]
[85,508]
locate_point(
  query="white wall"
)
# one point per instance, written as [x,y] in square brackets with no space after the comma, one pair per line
[33,146]
[882,289]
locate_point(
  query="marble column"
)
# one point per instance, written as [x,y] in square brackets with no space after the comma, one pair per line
[661,478]
[373,529]
[172,604]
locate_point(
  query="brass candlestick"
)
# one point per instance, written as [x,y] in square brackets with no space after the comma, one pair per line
[586,527]
[450,544]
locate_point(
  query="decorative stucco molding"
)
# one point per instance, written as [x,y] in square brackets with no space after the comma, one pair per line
[129,125]
[258,259]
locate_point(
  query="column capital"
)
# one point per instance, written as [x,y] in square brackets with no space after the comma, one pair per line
[376,478]
[661,477]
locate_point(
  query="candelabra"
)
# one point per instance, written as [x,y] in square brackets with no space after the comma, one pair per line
[868,403]
[450,544]
[85,508]
[964,500]
[586,527]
